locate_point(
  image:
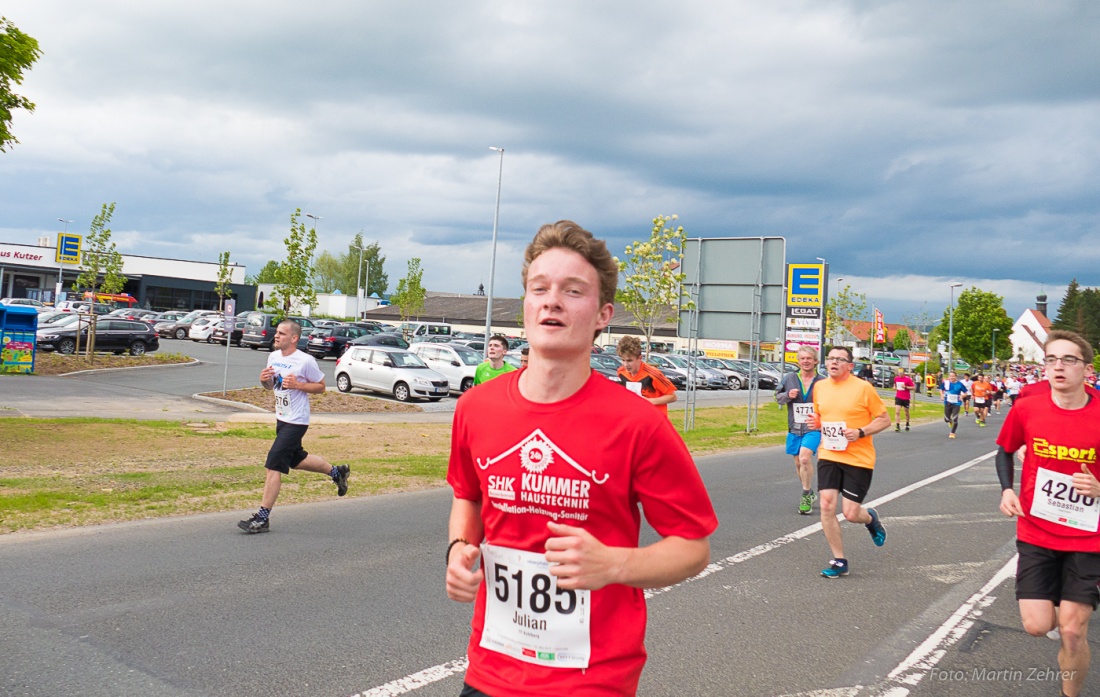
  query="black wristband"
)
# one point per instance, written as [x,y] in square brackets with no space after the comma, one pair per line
[452,546]
[862,434]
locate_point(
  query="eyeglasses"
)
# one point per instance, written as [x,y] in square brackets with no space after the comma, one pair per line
[832,359]
[1066,360]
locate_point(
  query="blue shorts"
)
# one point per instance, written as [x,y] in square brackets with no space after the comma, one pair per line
[810,440]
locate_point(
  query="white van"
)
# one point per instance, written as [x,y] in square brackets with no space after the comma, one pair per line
[420,331]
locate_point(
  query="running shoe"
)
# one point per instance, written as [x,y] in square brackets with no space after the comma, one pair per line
[342,472]
[907,428]
[951,435]
[254,524]
[806,504]
[836,569]
[897,428]
[876,528]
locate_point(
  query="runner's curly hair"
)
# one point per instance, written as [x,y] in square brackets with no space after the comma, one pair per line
[567,234]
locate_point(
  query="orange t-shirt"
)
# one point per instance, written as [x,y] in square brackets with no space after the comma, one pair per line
[855,403]
[653,382]
[981,390]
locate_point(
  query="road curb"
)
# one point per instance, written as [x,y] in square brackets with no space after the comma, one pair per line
[193,361]
[229,403]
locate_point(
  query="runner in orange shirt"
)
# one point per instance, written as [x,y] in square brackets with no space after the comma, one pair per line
[983,391]
[642,378]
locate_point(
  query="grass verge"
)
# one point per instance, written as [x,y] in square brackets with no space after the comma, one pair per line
[72,472]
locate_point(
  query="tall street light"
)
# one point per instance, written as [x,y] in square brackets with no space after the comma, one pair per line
[359,283]
[836,312]
[493,261]
[951,333]
[993,353]
[61,267]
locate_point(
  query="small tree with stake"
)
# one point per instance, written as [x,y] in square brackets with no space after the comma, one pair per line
[99,259]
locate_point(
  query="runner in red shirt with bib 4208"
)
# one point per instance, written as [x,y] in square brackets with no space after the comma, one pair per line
[1058,508]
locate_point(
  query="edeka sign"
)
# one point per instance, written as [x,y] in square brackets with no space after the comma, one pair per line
[68,248]
[805,285]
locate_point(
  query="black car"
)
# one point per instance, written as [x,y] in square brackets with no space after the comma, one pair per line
[259,331]
[116,335]
[384,339]
[676,379]
[603,369]
[333,341]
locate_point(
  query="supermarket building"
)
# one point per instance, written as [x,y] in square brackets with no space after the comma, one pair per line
[33,271]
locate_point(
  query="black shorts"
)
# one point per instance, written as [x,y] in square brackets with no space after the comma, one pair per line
[1047,574]
[979,403]
[899,402]
[852,482]
[286,452]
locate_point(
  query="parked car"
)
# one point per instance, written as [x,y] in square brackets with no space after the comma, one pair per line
[260,331]
[132,313]
[678,381]
[391,370]
[735,379]
[218,335]
[886,358]
[706,378]
[602,369]
[665,365]
[203,327]
[26,302]
[766,378]
[169,316]
[384,339]
[116,335]
[179,328]
[332,341]
[454,361]
[608,360]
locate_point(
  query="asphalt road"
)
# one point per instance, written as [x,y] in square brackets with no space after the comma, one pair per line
[346,597]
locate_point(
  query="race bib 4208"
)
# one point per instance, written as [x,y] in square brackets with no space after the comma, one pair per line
[1057,501]
[527,616]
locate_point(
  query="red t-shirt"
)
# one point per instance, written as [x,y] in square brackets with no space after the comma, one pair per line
[587,461]
[1043,387]
[1059,441]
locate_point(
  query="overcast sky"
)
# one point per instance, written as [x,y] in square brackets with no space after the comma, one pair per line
[909,143]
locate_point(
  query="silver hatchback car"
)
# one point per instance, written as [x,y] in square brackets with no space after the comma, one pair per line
[391,370]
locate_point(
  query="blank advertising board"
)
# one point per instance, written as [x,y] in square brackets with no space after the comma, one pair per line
[730,271]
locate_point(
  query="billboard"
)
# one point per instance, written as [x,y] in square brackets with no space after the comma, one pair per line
[804,317]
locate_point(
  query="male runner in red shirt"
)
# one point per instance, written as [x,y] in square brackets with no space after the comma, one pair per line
[1058,508]
[549,466]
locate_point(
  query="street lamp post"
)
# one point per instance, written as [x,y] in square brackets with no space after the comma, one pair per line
[493,259]
[993,353]
[61,267]
[951,332]
[836,312]
[359,284]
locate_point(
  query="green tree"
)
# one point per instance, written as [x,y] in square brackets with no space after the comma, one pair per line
[293,286]
[225,275]
[652,283]
[100,264]
[326,274]
[977,314]
[100,261]
[1068,316]
[901,339]
[846,306]
[410,294]
[268,274]
[373,278]
[18,52]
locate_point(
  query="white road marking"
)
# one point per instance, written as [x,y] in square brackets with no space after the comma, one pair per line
[409,683]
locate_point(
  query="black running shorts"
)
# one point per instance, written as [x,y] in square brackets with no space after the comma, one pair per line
[286,452]
[899,402]
[852,482]
[1047,574]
